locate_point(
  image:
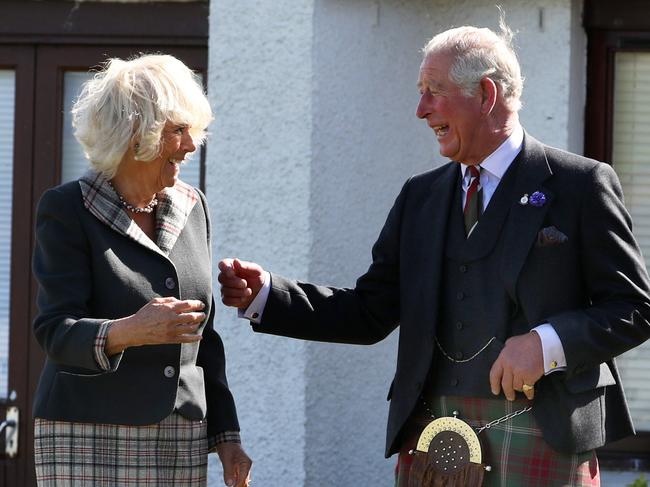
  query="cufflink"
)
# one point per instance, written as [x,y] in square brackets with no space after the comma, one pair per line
[256,315]
[553,364]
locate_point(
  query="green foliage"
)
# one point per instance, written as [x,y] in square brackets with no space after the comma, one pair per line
[640,482]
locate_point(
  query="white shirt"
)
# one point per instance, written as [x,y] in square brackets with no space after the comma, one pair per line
[494,167]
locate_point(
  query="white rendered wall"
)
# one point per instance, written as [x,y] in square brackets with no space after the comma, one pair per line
[314,136]
[257,176]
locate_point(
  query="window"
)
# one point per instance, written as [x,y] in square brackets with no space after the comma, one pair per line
[7,121]
[631,160]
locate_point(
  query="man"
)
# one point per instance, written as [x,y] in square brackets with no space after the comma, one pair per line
[512,272]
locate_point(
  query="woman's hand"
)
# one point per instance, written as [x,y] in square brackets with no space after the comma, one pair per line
[236,464]
[161,320]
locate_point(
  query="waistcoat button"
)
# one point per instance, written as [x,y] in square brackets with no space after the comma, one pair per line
[459,355]
[170,283]
[454,382]
[460,295]
[459,325]
[463,268]
[169,372]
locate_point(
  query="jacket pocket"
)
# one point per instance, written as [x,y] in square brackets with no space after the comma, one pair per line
[590,379]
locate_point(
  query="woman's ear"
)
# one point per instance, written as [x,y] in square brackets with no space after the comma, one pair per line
[135,147]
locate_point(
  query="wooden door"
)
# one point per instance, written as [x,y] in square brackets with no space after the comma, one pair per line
[46,51]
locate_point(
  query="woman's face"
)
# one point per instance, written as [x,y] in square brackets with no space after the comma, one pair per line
[176,144]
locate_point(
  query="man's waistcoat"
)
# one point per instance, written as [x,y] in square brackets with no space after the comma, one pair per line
[477,315]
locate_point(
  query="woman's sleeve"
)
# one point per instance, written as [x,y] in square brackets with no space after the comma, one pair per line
[62,267]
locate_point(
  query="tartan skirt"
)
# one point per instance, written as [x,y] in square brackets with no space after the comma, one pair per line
[515,449]
[172,452]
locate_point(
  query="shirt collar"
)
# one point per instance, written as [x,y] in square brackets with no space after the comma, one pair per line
[499,161]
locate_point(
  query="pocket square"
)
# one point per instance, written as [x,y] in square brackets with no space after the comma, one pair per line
[550,236]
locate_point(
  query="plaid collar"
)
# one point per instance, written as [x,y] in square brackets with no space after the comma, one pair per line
[174,207]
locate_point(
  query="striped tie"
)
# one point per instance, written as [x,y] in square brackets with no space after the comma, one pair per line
[473,205]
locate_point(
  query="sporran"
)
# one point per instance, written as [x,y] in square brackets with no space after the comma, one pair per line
[448,453]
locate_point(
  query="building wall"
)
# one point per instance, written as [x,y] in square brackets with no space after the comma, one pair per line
[314,135]
[258,175]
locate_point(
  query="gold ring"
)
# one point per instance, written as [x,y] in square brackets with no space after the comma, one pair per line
[527,388]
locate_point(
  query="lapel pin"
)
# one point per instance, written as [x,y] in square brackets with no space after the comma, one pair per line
[538,199]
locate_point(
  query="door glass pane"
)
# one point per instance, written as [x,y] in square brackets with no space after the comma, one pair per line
[631,160]
[74,163]
[7,115]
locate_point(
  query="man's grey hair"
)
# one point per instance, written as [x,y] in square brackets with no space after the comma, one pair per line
[479,53]
[129,102]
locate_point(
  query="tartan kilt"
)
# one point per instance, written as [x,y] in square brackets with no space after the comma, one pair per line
[172,452]
[515,449]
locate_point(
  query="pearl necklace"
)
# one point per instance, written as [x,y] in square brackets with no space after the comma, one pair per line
[134,209]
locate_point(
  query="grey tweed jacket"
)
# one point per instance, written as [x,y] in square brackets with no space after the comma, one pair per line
[94,264]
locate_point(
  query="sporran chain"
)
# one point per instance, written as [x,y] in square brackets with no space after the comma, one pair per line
[489,425]
[503,419]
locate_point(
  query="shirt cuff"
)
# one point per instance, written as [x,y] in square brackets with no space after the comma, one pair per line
[552,349]
[223,437]
[99,349]
[255,310]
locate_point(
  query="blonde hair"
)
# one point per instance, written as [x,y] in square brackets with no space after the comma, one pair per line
[480,53]
[129,102]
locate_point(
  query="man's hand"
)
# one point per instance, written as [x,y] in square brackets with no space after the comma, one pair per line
[240,282]
[521,362]
[236,464]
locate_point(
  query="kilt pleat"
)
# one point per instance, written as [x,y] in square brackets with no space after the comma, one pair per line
[515,449]
[172,452]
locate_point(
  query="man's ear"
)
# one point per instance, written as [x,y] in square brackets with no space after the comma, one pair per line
[489,93]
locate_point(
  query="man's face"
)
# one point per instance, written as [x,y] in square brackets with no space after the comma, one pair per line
[456,119]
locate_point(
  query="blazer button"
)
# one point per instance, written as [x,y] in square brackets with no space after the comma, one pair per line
[454,382]
[169,372]
[460,295]
[170,283]
[462,268]
[459,355]
[459,325]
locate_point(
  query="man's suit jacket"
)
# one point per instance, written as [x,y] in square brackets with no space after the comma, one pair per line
[593,289]
[94,264]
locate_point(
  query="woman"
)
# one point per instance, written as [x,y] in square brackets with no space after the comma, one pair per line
[133,391]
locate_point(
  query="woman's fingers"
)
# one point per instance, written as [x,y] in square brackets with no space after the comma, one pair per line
[187,305]
[193,317]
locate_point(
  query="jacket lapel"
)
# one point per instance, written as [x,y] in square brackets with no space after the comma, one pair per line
[434,217]
[525,220]
[489,229]
[174,207]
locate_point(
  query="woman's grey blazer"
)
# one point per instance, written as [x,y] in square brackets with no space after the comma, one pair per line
[90,273]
